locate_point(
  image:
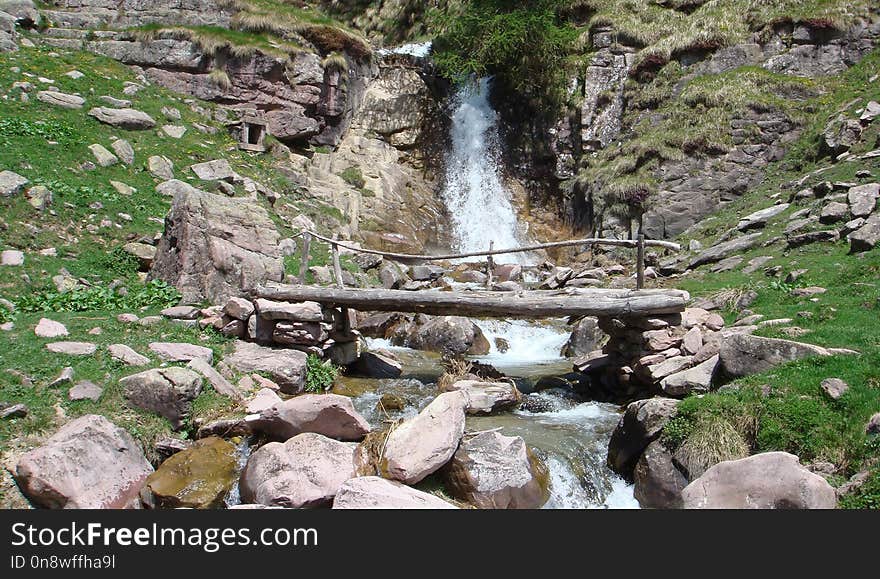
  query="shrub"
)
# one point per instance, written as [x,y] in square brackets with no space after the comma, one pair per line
[320,374]
[156,293]
[712,440]
[354,177]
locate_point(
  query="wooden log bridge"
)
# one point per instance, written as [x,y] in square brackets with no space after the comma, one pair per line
[533,304]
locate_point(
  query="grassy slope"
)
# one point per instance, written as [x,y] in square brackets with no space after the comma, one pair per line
[25,131]
[797,416]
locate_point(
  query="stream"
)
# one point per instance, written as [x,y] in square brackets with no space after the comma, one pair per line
[571,435]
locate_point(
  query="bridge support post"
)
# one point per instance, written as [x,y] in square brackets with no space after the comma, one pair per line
[490,266]
[304,257]
[640,263]
[337,273]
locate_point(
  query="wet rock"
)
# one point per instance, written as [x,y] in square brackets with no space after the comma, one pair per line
[168,392]
[745,354]
[487,397]
[215,247]
[641,424]
[129,119]
[773,480]
[180,352]
[449,335]
[198,477]
[306,471]
[377,365]
[89,464]
[586,337]
[330,415]
[422,445]
[287,368]
[492,471]
[658,482]
[372,492]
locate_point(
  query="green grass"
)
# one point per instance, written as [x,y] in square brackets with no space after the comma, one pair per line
[797,416]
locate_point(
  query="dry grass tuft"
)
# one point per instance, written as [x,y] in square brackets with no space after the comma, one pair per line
[714,439]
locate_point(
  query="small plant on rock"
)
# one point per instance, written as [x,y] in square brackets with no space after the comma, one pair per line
[320,375]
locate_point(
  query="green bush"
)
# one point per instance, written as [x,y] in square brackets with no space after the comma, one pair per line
[156,293]
[354,177]
[319,375]
[866,497]
[524,44]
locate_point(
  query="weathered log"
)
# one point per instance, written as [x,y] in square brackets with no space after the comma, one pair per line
[524,304]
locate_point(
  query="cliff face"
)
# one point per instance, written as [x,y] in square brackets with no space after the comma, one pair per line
[624,119]
[362,127]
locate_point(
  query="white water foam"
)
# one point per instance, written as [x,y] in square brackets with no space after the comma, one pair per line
[528,342]
[480,206]
[416,49]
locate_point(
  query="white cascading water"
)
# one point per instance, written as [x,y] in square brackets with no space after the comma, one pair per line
[479,204]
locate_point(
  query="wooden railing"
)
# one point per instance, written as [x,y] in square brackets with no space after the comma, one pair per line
[639,244]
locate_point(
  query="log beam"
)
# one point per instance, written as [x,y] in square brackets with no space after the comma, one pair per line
[523,305]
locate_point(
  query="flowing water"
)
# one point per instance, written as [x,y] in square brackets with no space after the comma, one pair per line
[480,206]
[569,434]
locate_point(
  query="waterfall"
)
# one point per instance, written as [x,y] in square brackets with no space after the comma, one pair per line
[479,205]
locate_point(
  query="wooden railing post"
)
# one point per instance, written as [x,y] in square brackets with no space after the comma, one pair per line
[640,263]
[304,259]
[490,266]
[337,273]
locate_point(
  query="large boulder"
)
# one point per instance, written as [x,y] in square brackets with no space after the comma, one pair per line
[696,379]
[773,480]
[586,337]
[487,397]
[493,471]
[723,250]
[306,471]
[449,335]
[198,477]
[11,184]
[422,445]
[168,392]
[380,364]
[287,368]
[640,425]
[89,464]
[867,236]
[372,492]
[745,354]
[658,482]
[215,247]
[129,119]
[331,415]
[863,199]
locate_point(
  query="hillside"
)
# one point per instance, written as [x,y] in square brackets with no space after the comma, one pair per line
[140,220]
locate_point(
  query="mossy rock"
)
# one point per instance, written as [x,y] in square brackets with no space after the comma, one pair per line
[197,478]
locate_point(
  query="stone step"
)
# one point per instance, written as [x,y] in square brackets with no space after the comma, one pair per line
[65,33]
[68,43]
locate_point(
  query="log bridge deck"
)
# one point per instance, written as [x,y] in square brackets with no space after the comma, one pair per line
[531,304]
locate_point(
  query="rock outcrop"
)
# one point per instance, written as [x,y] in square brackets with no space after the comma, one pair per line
[330,415]
[215,247]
